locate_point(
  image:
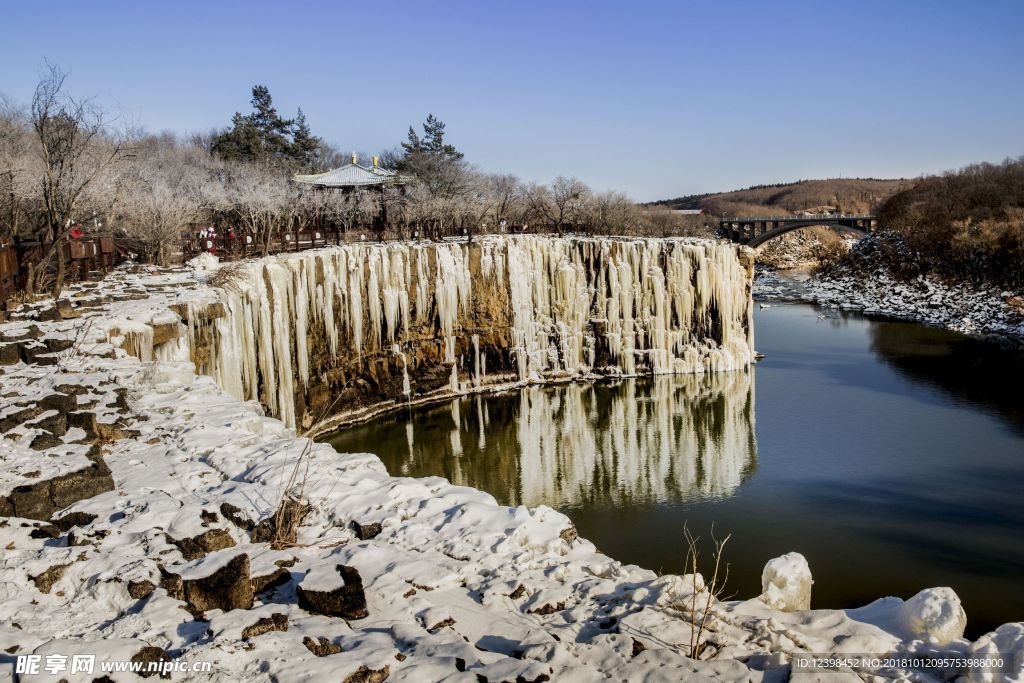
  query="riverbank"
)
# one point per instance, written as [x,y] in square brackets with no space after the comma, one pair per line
[960,308]
[143,520]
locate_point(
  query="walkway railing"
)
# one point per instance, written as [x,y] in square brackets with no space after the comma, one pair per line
[83,256]
[799,217]
[247,245]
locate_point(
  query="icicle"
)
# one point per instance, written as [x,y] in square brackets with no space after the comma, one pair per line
[640,306]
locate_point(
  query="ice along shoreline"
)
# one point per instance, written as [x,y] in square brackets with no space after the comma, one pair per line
[452,583]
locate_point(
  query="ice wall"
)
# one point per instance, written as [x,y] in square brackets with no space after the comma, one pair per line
[529,307]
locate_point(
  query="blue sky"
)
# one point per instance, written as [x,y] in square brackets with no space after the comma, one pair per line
[657,99]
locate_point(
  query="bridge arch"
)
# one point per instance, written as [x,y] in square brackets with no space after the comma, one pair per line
[754,231]
[790,227]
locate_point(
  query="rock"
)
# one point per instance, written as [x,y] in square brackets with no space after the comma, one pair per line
[207,542]
[44,582]
[152,658]
[365,532]
[278,577]
[935,614]
[17,417]
[45,531]
[42,499]
[56,345]
[52,421]
[140,589]
[86,421]
[569,534]
[10,353]
[234,515]
[165,332]
[73,519]
[366,675]
[275,622]
[786,583]
[321,647]
[62,402]
[43,441]
[290,514]
[347,600]
[227,588]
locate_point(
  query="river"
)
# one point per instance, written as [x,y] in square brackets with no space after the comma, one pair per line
[890,454]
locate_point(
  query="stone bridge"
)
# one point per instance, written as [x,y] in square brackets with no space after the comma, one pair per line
[754,231]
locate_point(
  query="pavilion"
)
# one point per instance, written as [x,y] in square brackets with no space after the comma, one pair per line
[353,176]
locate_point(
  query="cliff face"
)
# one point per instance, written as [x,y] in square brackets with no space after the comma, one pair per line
[348,330]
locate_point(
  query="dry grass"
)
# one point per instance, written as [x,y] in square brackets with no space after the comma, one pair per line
[698,605]
[229,275]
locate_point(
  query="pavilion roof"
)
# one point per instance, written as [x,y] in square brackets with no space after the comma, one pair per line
[351,175]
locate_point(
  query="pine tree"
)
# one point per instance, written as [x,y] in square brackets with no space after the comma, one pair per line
[305,149]
[264,136]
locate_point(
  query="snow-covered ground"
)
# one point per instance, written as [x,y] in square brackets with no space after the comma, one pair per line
[961,307]
[388,578]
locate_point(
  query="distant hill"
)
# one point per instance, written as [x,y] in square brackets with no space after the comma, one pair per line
[847,195]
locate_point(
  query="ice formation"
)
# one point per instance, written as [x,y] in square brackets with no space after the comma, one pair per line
[558,306]
[786,583]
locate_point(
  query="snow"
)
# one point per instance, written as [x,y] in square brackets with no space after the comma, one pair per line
[518,598]
[322,578]
[786,583]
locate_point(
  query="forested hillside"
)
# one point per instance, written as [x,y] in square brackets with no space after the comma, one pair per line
[846,195]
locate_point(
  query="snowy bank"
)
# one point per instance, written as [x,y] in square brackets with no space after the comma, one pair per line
[388,577]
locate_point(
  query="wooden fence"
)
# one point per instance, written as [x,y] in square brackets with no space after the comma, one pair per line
[244,246]
[84,257]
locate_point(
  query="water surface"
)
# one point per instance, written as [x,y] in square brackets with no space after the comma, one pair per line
[890,454]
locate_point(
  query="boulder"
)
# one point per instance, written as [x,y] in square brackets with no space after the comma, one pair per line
[226,588]
[152,659]
[337,593]
[194,547]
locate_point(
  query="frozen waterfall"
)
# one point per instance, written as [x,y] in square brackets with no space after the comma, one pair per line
[299,327]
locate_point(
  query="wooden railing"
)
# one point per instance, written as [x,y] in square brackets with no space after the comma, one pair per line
[244,246]
[83,257]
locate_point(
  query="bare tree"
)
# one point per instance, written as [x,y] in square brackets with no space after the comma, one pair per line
[19,189]
[74,149]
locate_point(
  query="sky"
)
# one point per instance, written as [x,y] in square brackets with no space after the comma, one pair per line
[656,99]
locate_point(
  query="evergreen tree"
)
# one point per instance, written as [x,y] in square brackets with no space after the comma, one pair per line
[264,136]
[306,147]
[432,142]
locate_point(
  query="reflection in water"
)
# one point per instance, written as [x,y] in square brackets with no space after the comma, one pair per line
[883,454]
[657,440]
[969,369]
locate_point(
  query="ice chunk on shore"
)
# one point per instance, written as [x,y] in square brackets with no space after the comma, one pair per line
[786,583]
[935,614]
[1006,643]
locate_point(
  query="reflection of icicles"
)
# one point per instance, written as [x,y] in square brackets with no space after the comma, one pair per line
[455,435]
[684,437]
[634,306]
[409,440]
